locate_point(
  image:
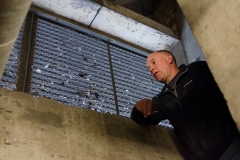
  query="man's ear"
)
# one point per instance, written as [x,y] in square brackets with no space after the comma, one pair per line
[170,58]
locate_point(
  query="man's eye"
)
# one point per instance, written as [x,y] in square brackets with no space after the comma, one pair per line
[153,62]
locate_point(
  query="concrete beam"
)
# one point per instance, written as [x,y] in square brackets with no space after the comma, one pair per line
[12,14]
[135,16]
[118,23]
[79,10]
[132,31]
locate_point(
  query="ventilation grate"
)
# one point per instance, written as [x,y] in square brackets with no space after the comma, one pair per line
[72,68]
[132,80]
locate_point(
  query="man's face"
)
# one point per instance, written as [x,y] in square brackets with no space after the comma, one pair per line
[159,64]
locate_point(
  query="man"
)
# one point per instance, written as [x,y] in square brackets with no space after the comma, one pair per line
[194,105]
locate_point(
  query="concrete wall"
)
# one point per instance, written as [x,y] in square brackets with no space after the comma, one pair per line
[190,46]
[40,128]
[12,14]
[179,54]
[216,26]
[187,49]
[169,14]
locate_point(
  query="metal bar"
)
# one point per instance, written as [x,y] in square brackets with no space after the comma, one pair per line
[113,81]
[24,89]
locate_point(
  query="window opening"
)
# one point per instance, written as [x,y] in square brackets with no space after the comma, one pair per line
[74,68]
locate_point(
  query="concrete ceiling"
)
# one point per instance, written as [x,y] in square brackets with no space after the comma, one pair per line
[115,24]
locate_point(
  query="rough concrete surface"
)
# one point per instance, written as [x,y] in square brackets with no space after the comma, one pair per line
[5,51]
[79,10]
[133,15]
[216,26]
[12,14]
[40,128]
[133,31]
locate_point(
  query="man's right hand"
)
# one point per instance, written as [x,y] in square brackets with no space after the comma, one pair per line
[144,106]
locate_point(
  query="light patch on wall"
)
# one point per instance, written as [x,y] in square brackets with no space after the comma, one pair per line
[79,10]
[132,31]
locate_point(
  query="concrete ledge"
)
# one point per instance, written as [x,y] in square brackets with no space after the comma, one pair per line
[40,128]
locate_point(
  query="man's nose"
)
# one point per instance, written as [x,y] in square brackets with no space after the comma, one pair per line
[151,69]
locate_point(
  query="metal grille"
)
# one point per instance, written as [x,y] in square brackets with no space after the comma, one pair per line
[9,77]
[72,68]
[132,80]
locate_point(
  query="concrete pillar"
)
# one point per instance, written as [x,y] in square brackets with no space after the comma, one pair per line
[216,26]
[12,13]
[40,128]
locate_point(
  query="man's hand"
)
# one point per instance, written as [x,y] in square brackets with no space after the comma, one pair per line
[144,106]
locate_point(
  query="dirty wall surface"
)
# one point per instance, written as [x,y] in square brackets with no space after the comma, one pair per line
[40,128]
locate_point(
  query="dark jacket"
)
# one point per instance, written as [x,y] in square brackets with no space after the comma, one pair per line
[198,112]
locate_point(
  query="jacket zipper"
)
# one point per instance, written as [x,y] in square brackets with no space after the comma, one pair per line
[176,95]
[175,91]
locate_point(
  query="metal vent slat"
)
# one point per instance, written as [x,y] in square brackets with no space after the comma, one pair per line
[132,81]
[72,68]
[129,80]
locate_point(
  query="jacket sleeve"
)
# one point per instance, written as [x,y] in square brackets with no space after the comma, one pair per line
[154,118]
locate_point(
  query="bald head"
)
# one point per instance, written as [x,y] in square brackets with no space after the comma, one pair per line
[162,66]
[168,52]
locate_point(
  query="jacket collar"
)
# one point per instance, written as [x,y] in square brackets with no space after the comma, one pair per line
[183,69]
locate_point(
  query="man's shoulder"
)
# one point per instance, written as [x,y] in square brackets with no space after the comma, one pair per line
[198,63]
[193,64]
[201,69]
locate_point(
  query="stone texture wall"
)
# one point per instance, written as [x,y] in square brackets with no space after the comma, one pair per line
[40,128]
[216,27]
